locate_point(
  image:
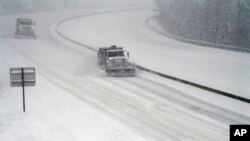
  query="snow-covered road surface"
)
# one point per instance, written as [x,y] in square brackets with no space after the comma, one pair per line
[117,30]
[74,100]
[223,70]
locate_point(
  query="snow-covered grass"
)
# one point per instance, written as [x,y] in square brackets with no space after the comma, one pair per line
[220,69]
[53,111]
[73,100]
[53,114]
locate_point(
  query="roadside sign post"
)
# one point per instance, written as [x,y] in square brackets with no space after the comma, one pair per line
[23,91]
[21,77]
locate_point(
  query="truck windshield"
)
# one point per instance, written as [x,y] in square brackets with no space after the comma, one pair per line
[25,23]
[116,54]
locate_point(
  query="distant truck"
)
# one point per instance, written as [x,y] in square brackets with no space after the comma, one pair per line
[25,27]
[114,60]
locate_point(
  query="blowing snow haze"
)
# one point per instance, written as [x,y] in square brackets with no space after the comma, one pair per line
[17,6]
[123,70]
[216,21]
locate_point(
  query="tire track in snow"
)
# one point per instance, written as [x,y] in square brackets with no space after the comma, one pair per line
[181,99]
[216,91]
[180,124]
[106,100]
[147,122]
[91,97]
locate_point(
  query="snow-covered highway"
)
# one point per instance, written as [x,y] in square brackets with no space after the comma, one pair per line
[74,100]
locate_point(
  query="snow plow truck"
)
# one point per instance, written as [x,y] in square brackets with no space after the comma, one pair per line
[25,27]
[114,60]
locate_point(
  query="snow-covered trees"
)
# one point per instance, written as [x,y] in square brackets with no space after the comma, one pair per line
[217,21]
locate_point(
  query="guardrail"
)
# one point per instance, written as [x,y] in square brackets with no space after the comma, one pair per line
[233,96]
[196,85]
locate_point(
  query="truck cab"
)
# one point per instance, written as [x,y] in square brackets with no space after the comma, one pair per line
[114,60]
[25,27]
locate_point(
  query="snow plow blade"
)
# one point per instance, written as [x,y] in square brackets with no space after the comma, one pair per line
[121,72]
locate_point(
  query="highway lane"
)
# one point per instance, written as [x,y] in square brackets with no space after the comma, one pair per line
[150,108]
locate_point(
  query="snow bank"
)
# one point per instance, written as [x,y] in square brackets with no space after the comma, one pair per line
[224,70]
